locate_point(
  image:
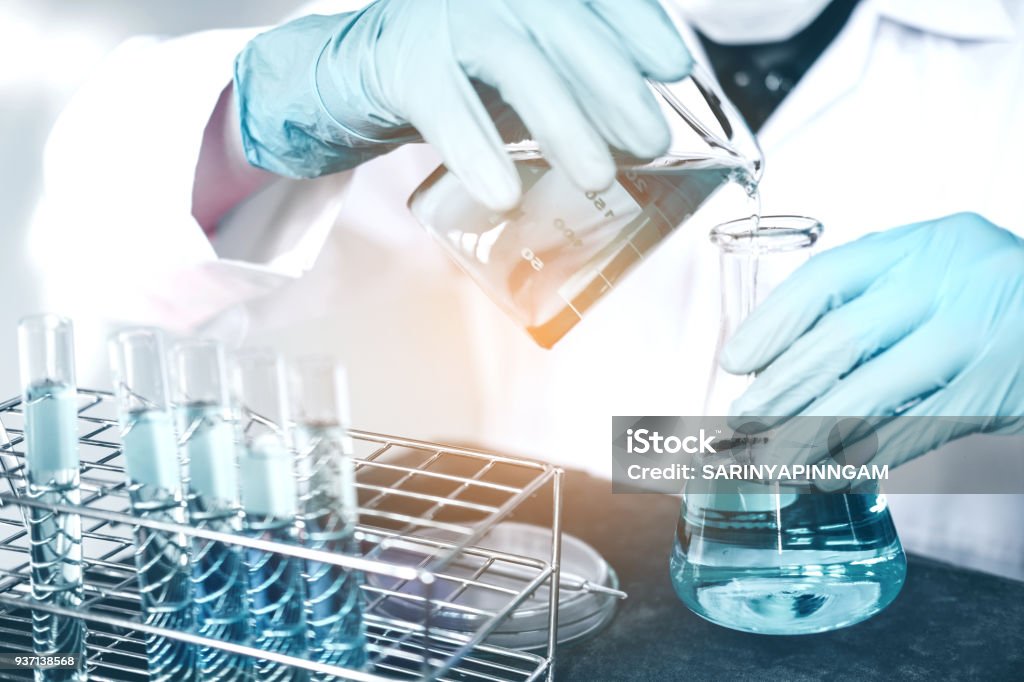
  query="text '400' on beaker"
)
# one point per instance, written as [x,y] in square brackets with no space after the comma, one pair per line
[561,250]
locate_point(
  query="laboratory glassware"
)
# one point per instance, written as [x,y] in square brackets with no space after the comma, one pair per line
[208,449]
[547,261]
[151,460]
[50,397]
[396,645]
[267,476]
[587,601]
[757,556]
[327,510]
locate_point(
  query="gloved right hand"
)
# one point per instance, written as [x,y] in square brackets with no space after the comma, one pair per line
[324,93]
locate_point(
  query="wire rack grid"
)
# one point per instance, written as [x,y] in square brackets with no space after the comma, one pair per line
[423,510]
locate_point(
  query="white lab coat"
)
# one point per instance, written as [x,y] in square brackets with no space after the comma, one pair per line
[913,112]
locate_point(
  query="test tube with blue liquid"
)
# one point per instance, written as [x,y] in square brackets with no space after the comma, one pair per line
[208,449]
[267,476]
[327,510]
[150,451]
[50,402]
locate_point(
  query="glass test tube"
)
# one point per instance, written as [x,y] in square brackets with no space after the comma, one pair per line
[267,474]
[151,461]
[327,509]
[50,401]
[208,449]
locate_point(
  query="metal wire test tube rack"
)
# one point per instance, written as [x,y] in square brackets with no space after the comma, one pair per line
[431,503]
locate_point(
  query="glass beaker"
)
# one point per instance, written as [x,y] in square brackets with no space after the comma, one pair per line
[550,259]
[766,558]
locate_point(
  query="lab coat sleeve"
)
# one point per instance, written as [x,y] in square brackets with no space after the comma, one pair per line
[113,237]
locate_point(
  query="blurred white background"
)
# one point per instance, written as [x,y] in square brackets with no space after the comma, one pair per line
[47,49]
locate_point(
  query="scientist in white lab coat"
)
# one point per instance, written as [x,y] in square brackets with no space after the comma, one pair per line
[253,182]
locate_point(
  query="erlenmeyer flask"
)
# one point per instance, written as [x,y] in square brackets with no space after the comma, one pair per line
[550,259]
[761,557]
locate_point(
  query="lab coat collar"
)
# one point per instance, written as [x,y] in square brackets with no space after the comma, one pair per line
[961,19]
[841,67]
[836,72]
[979,20]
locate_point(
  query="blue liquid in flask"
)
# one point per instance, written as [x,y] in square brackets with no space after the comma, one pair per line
[786,563]
[164,575]
[218,571]
[765,558]
[51,434]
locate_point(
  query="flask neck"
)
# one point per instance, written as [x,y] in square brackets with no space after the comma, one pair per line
[755,255]
[739,295]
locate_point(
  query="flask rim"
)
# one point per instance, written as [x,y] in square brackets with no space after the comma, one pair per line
[767,234]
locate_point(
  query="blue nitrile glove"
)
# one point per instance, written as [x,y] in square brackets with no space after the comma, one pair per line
[921,320]
[324,93]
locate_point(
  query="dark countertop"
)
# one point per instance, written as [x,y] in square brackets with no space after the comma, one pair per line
[947,623]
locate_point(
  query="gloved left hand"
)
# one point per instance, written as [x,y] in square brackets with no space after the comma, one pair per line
[921,320]
[324,93]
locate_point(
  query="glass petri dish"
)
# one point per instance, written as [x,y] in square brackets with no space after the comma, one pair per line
[582,611]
